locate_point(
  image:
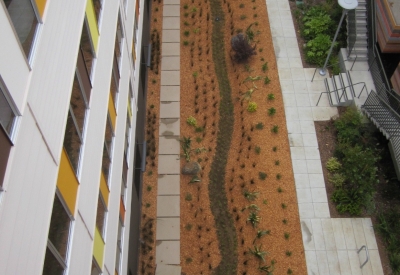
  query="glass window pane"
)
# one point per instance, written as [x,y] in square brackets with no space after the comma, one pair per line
[24,20]
[114,86]
[51,265]
[97,9]
[108,135]
[7,116]
[101,215]
[106,163]
[86,47]
[95,269]
[59,228]
[78,104]
[72,142]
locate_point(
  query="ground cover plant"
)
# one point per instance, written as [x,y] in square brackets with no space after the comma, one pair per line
[235,209]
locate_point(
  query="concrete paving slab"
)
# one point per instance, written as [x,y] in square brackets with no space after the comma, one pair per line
[168,206]
[296,140]
[172,2]
[305,113]
[303,100]
[287,86]
[316,180]
[312,263]
[319,195]
[329,236]
[168,252]
[293,52]
[321,210]
[169,109]
[289,100]
[318,234]
[168,185]
[170,78]
[375,262]
[163,269]
[171,10]
[283,62]
[168,229]
[169,164]
[169,127]
[306,231]
[169,145]
[169,36]
[314,166]
[170,63]
[312,153]
[323,113]
[171,23]
[333,262]
[299,166]
[358,232]
[284,74]
[293,127]
[338,233]
[322,260]
[349,234]
[306,211]
[297,153]
[170,93]
[304,195]
[354,262]
[369,234]
[170,49]
[291,42]
[344,262]
[302,181]
[300,86]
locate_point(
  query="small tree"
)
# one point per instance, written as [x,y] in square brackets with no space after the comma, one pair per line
[243,50]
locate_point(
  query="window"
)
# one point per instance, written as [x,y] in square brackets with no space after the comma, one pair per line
[8,115]
[114,85]
[57,245]
[101,215]
[119,38]
[98,5]
[95,268]
[127,136]
[107,149]
[73,138]
[25,22]
[119,247]
[87,48]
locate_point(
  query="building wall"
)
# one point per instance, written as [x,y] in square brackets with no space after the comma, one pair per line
[41,91]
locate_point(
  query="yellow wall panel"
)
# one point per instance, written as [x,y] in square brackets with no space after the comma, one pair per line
[67,182]
[98,248]
[41,4]
[112,111]
[92,22]
[129,108]
[105,192]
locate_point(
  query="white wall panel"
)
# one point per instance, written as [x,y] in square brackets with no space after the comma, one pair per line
[14,68]
[27,203]
[54,67]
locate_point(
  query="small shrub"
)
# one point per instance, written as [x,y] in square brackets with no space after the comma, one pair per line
[277,162]
[241,6]
[279,189]
[254,219]
[185,42]
[186,14]
[250,196]
[257,149]
[337,180]
[317,48]
[243,17]
[188,227]
[185,6]
[191,121]
[243,50]
[288,253]
[149,188]
[333,164]
[262,175]
[271,111]
[194,9]
[286,235]
[199,139]
[349,126]
[186,23]
[284,221]
[289,271]
[274,148]
[283,205]
[275,129]
[278,176]
[271,97]
[186,33]
[188,197]
[189,260]
[265,201]
[267,81]
[259,126]
[252,107]
[199,129]
[148,205]
[260,254]
[195,74]
[260,50]
[264,67]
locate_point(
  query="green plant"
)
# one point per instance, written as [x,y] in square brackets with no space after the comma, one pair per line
[333,164]
[199,129]
[262,175]
[194,9]
[278,176]
[260,50]
[149,188]
[286,235]
[253,207]
[199,139]
[261,233]
[347,201]
[189,260]
[154,81]
[148,205]
[274,148]
[271,96]
[252,107]
[317,48]
[250,196]
[258,252]
[277,162]
[254,219]
[264,67]
[260,126]
[255,15]
[267,81]
[150,173]
[195,74]
[289,271]
[243,17]
[194,179]
[185,6]
[271,111]
[257,149]
[337,180]
[349,126]
[265,201]
[185,42]
[186,14]
[197,30]
[283,205]
[188,197]
[279,189]
[316,21]
[275,129]
[242,48]
[394,259]
[241,5]
[268,269]
[186,23]
[288,253]
[188,227]
[284,221]
[191,121]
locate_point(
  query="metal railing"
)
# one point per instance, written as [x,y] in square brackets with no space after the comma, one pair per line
[343,89]
[366,251]
[340,62]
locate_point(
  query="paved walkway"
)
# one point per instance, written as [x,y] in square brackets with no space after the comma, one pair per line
[168,199]
[330,244]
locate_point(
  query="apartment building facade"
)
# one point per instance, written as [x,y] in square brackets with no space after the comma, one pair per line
[72,96]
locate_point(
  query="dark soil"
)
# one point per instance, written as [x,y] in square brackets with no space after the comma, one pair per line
[387,192]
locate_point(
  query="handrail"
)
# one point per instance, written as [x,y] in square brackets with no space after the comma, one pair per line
[340,62]
[343,88]
[382,100]
[366,251]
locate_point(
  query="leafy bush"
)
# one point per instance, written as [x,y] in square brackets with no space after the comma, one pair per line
[337,180]
[252,107]
[191,121]
[316,21]
[349,126]
[347,201]
[317,49]
[243,50]
[333,164]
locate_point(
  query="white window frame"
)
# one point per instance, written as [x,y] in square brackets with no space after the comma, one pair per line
[11,103]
